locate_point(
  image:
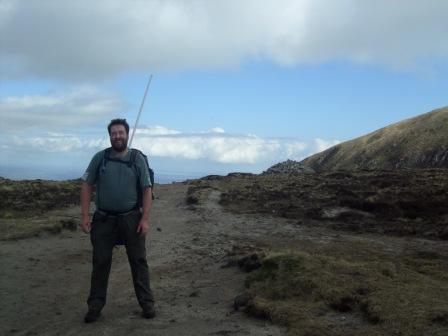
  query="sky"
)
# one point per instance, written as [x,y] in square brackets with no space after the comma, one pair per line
[237,85]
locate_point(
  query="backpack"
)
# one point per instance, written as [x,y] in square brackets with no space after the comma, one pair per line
[131,164]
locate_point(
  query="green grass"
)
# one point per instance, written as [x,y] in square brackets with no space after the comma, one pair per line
[26,228]
[323,294]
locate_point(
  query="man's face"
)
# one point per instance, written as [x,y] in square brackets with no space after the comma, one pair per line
[118,138]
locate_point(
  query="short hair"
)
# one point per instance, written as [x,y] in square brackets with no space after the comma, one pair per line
[118,122]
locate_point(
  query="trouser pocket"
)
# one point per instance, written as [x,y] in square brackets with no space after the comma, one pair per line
[103,228]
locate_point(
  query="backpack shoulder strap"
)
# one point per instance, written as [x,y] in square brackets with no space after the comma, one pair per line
[133,158]
[107,153]
[106,157]
[135,152]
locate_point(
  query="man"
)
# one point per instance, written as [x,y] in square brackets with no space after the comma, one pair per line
[123,201]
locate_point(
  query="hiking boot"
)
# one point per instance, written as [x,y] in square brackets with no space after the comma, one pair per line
[92,316]
[149,311]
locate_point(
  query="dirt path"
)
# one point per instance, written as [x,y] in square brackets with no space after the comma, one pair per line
[44,281]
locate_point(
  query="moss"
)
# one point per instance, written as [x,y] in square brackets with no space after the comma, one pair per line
[303,291]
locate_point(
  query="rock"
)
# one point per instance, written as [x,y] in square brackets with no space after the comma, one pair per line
[249,263]
[211,177]
[287,167]
[236,174]
[230,263]
[192,199]
[69,224]
[241,300]
[194,294]
[444,234]
[344,213]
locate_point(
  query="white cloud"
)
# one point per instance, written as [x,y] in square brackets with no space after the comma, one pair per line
[85,39]
[49,143]
[79,106]
[321,144]
[55,143]
[161,141]
[295,149]
[155,131]
[216,146]
[217,130]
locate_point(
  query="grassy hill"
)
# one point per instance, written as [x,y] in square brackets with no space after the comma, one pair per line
[420,142]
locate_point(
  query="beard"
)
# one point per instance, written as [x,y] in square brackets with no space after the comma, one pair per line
[119,145]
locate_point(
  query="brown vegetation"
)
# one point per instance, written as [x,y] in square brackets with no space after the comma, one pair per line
[30,207]
[377,284]
[399,202]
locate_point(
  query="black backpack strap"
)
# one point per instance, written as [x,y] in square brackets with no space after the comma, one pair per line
[132,164]
[102,166]
[106,157]
[132,160]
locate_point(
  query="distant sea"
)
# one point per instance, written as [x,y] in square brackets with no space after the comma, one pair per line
[20,173]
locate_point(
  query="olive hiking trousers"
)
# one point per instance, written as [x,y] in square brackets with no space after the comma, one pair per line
[106,230]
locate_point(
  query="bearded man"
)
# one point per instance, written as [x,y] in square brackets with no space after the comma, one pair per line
[123,201]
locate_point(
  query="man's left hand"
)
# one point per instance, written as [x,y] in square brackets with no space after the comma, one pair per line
[143,227]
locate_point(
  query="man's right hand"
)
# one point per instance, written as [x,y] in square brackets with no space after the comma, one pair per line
[85,224]
[86,192]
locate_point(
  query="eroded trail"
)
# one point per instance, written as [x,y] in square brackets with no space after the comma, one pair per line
[44,281]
